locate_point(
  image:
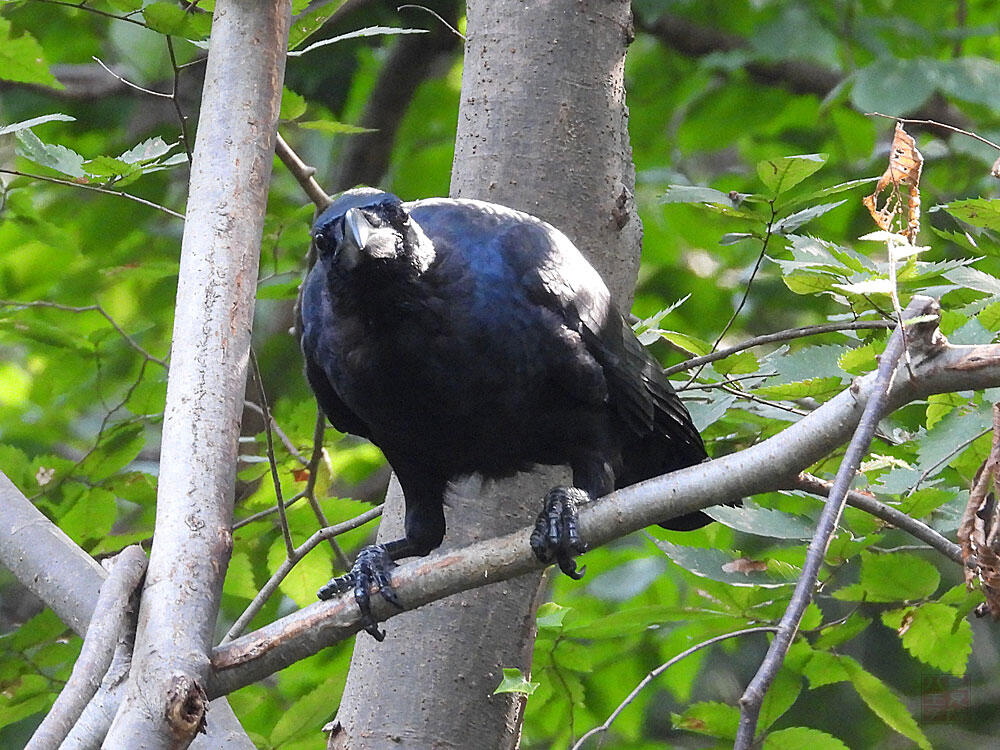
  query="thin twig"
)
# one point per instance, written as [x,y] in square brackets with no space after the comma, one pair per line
[746,291]
[660,670]
[282,436]
[936,124]
[753,697]
[947,459]
[293,558]
[127,82]
[912,526]
[87,308]
[272,462]
[301,172]
[310,491]
[182,118]
[770,338]
[91,9]
[95,188]
[447,25]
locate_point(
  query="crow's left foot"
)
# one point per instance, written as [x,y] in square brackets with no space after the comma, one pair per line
[556,537]
[372,569]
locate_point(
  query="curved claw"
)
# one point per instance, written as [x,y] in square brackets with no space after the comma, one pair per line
[372,569]
[556,537]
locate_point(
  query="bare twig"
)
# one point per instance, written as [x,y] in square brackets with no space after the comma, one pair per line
[310,491]
[946,459]
[937,124]
[437,15]
[87,308]
[181,117]
[286,567]
[770,338]
[861,501]
[753,696]
[95,189]
[271,461]
[107,625]
[660,670]
[282,436]
[127,82]
[301,172]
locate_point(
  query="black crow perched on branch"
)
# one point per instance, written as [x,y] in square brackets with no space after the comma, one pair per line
[463,337]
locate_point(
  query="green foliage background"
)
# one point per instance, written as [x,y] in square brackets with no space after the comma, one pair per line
[81,401]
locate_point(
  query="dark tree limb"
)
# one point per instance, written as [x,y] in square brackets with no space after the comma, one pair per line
[107,625]
[875,407]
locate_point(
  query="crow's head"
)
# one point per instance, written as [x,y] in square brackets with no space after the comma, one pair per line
[366,228]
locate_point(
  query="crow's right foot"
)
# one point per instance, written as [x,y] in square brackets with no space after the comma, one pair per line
[372,569]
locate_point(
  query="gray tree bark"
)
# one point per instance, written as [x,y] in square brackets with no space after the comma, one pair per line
[543,128]
[164,705]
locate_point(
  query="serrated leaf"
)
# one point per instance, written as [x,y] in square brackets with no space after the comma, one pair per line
[305,579]
[91,516]
[333,127]
[22,58]
[884,703]
[972,278]
[631,620]
[118,447]
[713,564]
[812,388]
[709,717]
[796,738]
[793,221]
[752,519]
[780,696]
[108,167]
[305,713]
[514,682]
[862,358]
[868,286]
[49,155]
[147,151]
[935,634]
[785,173]
[980,212]
[892,577]
[27,124]
[45,333]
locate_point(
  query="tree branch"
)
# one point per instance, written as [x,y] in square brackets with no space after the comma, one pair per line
[107,626]
[164,704]
[875,407]
[772,464]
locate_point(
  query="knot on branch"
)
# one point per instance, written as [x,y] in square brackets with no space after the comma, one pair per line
[923,337]
[185,709]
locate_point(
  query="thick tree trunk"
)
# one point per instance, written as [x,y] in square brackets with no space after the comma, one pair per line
[542,127]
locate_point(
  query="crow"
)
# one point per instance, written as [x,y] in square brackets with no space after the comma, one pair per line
[463,337]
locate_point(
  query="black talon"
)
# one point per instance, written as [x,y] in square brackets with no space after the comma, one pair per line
[372,569]
[556,537]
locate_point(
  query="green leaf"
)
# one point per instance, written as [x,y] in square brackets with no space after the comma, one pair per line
[940,405]
[785,173]
[696,194]
[27,124]
[22,58]
[29,327]
[333,127]
[780,696]
[793,221]
[49,155]
[861,359]
[752,519]
[109,167]
[892,577]
[720,565]
[893,86]
[884,703]
[551,615]
[311,572]
[91,517]
[630,620]
[147,151]
[972,278]
[809,282]
[514,682]
[305,713]
[980,212]
[841,632]
[935,634]
[688,344]
[306,24]
[741,363]
[173,20]
[813,387]
[796,738]
[709,717]
[119,446]
[293,105]
[824,668]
